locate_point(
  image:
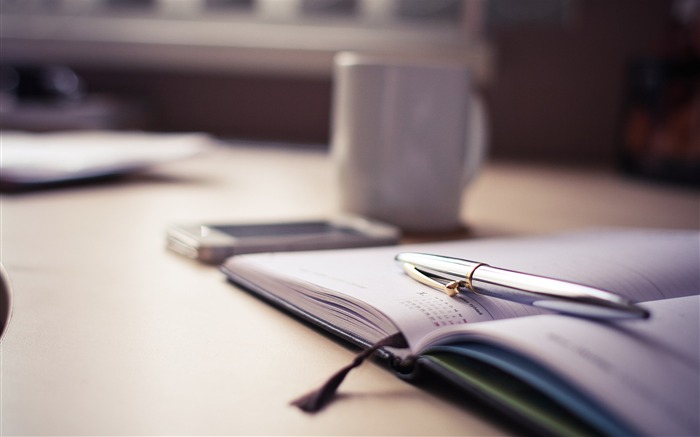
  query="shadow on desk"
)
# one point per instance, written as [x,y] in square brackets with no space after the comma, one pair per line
[13,187]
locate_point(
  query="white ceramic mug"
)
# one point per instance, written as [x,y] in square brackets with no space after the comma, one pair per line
[407,136]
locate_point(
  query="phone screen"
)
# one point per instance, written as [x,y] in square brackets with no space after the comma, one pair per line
[284,229]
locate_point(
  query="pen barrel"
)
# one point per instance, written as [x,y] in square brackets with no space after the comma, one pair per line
[492,278]
[552,294]
[538,291]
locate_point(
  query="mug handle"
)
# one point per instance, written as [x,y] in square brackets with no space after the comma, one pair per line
[477,138]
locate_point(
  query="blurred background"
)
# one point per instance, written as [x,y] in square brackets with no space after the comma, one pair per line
[579,82]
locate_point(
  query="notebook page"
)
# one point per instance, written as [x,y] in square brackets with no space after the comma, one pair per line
[642,265]
[645,371]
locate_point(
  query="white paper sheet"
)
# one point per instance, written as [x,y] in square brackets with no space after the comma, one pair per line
[27,158]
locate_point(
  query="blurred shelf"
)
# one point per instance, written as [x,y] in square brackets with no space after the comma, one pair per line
[296,37]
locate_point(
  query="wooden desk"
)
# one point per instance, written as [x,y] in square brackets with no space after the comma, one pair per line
[112,334]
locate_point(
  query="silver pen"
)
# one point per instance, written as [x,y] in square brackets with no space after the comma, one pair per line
[454,276]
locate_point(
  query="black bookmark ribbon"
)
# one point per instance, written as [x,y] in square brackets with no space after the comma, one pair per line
[317,399]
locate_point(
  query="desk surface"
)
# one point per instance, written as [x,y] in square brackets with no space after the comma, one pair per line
[112,334]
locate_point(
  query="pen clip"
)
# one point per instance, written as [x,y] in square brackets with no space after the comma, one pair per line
[450,288]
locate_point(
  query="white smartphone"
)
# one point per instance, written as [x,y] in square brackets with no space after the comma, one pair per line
[212,243]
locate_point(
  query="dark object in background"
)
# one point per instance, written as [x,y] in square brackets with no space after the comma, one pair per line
[661,121]
[47,84]
[52,98]
[5,302]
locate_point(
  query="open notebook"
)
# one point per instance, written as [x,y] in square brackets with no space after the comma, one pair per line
[558,373]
